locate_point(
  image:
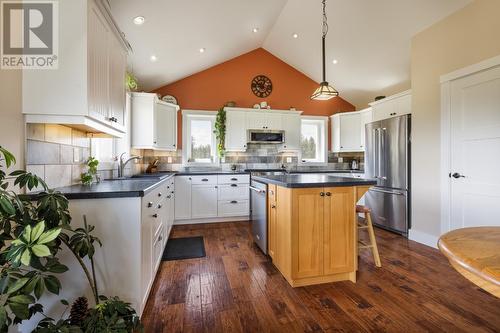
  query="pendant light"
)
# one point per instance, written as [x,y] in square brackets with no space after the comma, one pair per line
[324,91]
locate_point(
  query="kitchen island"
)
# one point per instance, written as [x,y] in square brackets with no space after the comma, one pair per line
[312,235]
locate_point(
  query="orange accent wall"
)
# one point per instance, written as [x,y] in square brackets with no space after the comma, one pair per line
[230,81]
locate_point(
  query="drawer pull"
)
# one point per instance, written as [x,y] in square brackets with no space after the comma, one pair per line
[234,179]
[150,204]
[234,202]
[159,194]
[234,185]
[159,206]
[273,206]
[204,180]
[155,216]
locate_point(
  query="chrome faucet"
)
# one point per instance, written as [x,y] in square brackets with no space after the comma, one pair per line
[122,164]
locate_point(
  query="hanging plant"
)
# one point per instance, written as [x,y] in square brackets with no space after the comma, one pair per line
[220,132]
[130,81]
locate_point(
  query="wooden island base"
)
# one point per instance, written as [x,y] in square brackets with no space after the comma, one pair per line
[312,233]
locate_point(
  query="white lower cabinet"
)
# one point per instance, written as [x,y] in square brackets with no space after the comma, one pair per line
[203,201]
[211,196]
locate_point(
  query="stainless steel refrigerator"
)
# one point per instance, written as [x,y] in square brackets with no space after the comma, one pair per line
[387,158]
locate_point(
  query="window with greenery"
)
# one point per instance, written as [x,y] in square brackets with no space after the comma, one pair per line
[200,138]
[313,140]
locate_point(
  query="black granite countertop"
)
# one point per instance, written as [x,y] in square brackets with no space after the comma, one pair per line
[126,188]
[313,180]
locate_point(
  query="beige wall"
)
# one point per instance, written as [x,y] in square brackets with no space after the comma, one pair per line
[468,36]
[11,118]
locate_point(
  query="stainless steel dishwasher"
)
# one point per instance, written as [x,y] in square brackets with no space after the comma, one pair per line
[258,213]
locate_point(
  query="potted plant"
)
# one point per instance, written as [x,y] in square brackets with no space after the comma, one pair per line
[32,233]
[87,178]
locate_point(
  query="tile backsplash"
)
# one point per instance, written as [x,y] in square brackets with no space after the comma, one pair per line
[56,153]
[256,156]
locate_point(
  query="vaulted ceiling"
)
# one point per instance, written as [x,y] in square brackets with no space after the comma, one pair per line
[369,39]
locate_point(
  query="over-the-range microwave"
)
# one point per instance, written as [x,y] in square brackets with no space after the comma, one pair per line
[265,136]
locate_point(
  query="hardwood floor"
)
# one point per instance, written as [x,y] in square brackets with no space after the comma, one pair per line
[236,289]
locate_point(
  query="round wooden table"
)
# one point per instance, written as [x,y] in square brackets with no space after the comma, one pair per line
[475,253]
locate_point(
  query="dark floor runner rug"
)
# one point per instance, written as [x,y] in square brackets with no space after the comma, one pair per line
[184,248]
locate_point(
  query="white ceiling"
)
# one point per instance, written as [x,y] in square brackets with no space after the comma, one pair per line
[371,39]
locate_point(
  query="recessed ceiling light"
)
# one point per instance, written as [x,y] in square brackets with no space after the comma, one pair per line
[295,35]
[202,50]
[335,61]
[153,58]
[139,20]
[255,30]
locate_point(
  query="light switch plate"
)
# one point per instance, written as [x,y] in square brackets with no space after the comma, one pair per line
[341,160]
[169,159]
[288,160]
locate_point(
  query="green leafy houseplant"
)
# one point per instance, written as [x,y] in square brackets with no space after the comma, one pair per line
[32,233]
[220,131]
[87,178]
[130,81]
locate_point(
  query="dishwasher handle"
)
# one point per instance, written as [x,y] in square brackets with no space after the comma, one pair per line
[257,189]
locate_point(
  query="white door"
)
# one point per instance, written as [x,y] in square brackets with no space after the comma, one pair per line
[475,150]
[291,126]
[182,197]
[350,132]
[204,201]
[166,127]
[236,131]
[98,65]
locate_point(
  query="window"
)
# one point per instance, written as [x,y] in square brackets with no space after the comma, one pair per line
[199,138]
[313,145]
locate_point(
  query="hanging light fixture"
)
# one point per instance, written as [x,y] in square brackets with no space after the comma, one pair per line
[324,91]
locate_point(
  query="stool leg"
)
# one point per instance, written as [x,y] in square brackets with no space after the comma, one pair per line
[373,241]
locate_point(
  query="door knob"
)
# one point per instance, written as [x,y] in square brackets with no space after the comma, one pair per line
[457,175]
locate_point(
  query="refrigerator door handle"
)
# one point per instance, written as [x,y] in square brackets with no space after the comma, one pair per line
[376,189]
[379,153]
[382,150]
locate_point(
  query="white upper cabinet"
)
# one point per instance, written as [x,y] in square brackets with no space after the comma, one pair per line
[154,123]
[348,130]
[87,90]
[392,106]
[240,120]
[291,126]
[236,131]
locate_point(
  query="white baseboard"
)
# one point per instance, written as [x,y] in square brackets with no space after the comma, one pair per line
[212,220]
[423,238]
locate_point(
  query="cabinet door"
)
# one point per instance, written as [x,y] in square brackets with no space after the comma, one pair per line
[273,121]
[291,126]
[350,130]
[366,117]
[204,201]
[256,120]
[383,111]
[165,131]
[307,232]
[182,197]
[236,131]
[117,67]
[98,65]
[339,228]
[402,105]
[271,217]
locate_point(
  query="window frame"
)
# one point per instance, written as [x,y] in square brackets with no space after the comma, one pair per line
[187,116]
[322,122]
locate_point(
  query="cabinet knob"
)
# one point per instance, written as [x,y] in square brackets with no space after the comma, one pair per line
[328,194]
[173,145]
[216,186]
[154,142]
[155,216]
[159,194]
[160,238]
[273,206]
[189,178]
[169,196]
[322,194]
[150,204]
[159,206]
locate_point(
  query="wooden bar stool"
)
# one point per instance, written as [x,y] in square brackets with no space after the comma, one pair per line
[367,224]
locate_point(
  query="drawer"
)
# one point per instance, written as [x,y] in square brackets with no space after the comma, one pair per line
[204,180]
[158,245]
[233,179]
[233,192]
[233,208]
